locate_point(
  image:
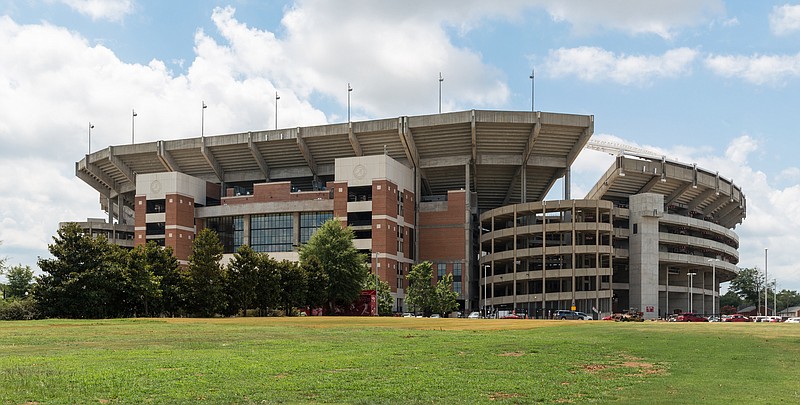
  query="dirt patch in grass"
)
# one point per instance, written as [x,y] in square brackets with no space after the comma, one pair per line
[642,368]
[512,354]
[499,396]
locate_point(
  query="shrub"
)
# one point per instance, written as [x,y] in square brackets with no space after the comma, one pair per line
[19,310]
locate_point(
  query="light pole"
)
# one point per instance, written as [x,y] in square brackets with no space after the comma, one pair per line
[766,290]
[713,285]
[90,136]
[485,282]
[349,90]
[277,97]
[691,287]
[441,79]
[774,296]
[133,125]
[533,80]
[203,120]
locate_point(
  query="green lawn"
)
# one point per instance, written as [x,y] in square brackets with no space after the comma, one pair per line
[396,360]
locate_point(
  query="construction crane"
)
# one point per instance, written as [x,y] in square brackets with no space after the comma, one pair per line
[620,149]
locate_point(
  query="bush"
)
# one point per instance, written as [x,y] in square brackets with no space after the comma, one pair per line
[19,310]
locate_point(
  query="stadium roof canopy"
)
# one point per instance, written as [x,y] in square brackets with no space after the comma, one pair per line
[498,150]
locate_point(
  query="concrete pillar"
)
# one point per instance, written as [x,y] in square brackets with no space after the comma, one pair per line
[645,211]
[246,230]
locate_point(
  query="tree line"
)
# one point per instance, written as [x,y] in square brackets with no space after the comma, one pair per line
[748,288]
[88,277]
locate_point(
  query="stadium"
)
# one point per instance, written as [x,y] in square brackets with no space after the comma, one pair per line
[464,190]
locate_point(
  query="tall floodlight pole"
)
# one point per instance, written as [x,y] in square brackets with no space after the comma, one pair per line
[277,97]
[691,287]
[203,120]
[133,125]
[766,288]
[533,80]
[349,90]
[441,79]
[774,296]
[90,136]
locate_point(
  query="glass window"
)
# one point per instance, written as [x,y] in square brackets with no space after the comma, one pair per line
[441,268]
[230,231]
[310,222]
[271,232]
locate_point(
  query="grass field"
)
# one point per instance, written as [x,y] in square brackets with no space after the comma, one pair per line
[396,360]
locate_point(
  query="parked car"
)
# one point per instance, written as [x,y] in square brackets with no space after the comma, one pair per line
[474,315]
[793,320]
[567,314]
[736,318]
[435,316]
[584,316]
[690,317]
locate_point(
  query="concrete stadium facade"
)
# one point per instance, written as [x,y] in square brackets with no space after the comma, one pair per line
[463,190]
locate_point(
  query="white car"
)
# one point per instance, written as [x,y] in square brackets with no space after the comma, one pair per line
[584,316]
[793,320]
[474,315]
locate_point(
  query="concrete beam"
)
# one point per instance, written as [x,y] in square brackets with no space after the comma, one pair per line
[209,157]
[91,181]
[262,164]
[474,159]
[166,158]
[301,143]
[649,185]
[532,138]
[407,139]
[447,161]
[578,147]
[700,198]
[511,184]
[718,202]
[354,140]
[676,194]
[732,218]
[121,166]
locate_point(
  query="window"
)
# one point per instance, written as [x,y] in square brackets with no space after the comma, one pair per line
[457,278]
[155,228]
[155,206]
[230,231]
[635,229]
[441,268]
[310,222]
[271,232]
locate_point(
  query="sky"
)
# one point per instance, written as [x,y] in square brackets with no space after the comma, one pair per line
[710,82]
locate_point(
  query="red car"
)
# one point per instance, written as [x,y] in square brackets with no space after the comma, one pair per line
[736,318]
[690,317]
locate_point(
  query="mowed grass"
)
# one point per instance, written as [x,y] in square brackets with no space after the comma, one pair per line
[396,360]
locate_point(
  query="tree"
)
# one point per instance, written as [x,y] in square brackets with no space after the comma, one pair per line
[317,282]
[83,277]
[20,279]
[143,285]
[420,288]
[243,278]
[205,276]
[731,299]
[747,284]
[170,299]
[332,246]
[293,282]
[445,300]
[268,284]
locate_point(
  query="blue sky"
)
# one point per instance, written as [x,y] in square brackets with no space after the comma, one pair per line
[702,81]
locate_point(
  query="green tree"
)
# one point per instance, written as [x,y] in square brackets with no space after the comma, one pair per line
[171,283]
[268,284]
[293,282]
[20,280]
[81,279]
[385,302]
[788,298]
[205,276]
[445,300]
[747,284]
[144,287]
[421,291]
[332,246]
[243,278]
[317,282]
[730,298]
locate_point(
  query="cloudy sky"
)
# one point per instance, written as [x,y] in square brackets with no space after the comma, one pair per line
[702,81]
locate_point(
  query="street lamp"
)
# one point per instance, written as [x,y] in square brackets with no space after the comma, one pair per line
[766,290]
[691,287]
[133,120]
[90,136]
[203,119]
[277,97]
[713,285]
[774,296]
[349,90]
[533,79]
[441,79]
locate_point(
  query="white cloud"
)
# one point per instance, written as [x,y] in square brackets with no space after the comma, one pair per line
[756,69]
[596,64]
[659,17]
[784,19]
[113,10]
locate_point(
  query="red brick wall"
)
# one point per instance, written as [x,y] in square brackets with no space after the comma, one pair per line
[180,212]
[140,220]
[441,234]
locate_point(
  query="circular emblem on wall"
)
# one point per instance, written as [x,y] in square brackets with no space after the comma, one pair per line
[155,186]
[359,171]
